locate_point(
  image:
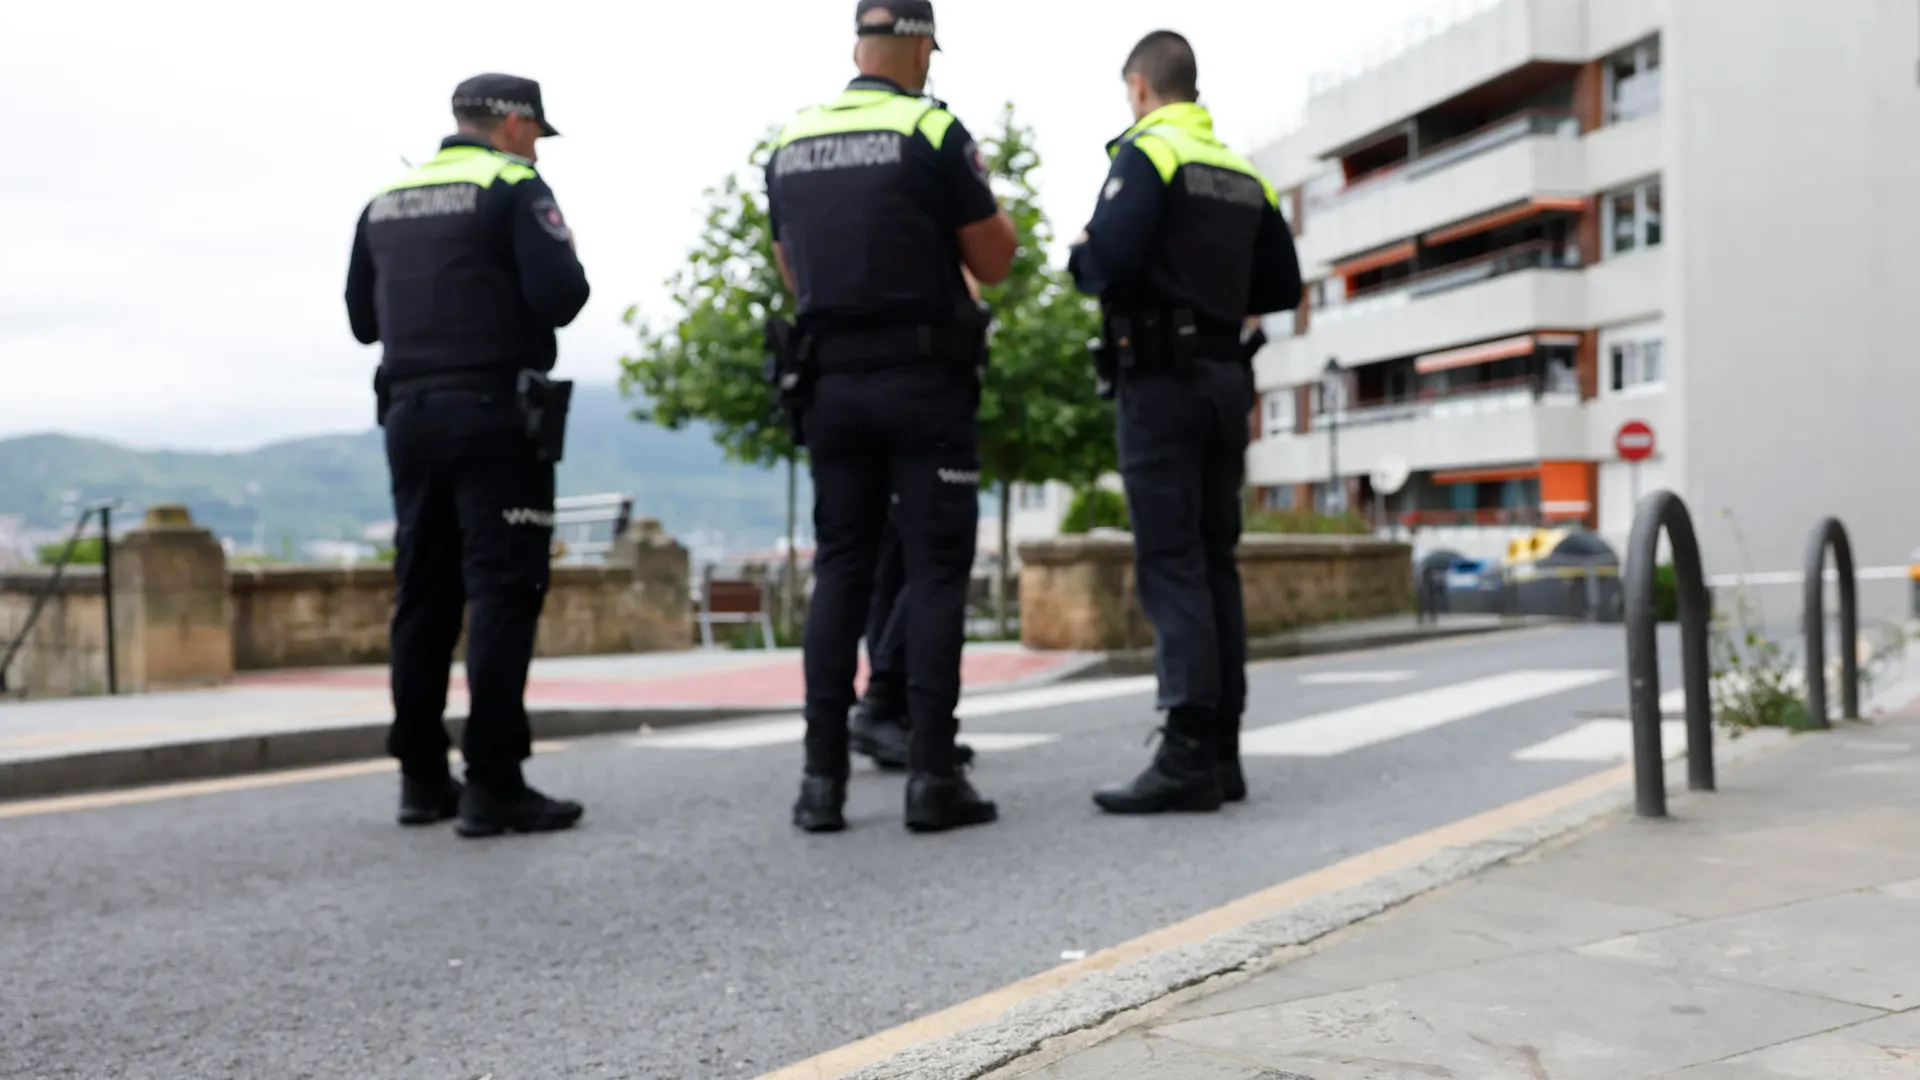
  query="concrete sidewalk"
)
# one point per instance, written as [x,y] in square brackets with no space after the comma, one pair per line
[1769,931]
[296,719]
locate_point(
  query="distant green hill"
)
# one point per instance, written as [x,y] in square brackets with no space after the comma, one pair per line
[331,487]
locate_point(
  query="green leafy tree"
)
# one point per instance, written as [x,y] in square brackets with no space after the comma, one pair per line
[1040,417]
[707,365]
[1095,508]
[86,552]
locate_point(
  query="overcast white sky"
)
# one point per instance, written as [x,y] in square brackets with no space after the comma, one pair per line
[183,178]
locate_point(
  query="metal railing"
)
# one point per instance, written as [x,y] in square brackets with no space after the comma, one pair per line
[1507,130]
[1501,395]
[1830,533]
[1534,255]
[1663,511]
[52,583]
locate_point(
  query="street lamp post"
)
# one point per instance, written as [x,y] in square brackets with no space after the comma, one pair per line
[1330,395]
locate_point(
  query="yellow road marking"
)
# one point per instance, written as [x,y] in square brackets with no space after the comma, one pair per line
[1343,875]
[135,796]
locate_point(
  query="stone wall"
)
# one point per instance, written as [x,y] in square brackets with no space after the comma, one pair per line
[66,654]
[1078,592]
[296,617]
[184,618]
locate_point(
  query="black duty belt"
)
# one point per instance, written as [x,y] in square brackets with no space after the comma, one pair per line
[874,350]
[1159,344]
[500,381]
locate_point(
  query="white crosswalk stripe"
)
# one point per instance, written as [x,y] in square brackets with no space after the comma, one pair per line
[1325,735]
[788,730]
[1601,741]
[996,742]
[741,736]
[1355,678]
[1346,730]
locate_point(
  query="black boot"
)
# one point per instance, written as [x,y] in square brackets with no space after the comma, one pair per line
[940,803]
[493,807]
[428,800]
[883,733]
[1233,782]
[822,799]
[878,729]
[1184,778]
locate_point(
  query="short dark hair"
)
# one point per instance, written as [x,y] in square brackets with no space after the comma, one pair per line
[1165,60]
[478,122]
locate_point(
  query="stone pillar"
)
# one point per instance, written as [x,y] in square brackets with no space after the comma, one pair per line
[173,620]
[662,576]
[1077,592]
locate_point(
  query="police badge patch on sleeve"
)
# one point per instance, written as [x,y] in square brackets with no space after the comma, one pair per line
[548,215]
[977,162]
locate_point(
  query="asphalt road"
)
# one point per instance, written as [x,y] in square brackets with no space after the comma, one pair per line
[685,930]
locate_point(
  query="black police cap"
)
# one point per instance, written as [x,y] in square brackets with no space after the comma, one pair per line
[911,18]
[494,94]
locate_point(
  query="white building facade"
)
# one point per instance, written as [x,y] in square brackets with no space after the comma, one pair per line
[1557,218]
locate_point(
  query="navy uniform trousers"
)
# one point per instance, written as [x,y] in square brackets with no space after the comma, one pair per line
[887,627]
[908,431]
[475,526]
[1183,444]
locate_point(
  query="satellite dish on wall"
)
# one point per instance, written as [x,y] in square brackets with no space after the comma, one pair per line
[1391,475]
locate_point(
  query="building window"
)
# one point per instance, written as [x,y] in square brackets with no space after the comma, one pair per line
[1635,363]
[1030,496]
[1277,498]
[1633,218]
[1278,412]
[1633,81]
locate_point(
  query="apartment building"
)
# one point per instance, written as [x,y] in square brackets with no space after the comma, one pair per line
[1555,221]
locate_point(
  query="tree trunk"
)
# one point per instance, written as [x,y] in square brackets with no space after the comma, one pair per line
[1006,557]
[790,591]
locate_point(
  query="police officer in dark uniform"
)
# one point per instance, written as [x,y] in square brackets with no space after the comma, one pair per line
[461,270]
[878,198]
[1186,243]
[879,727]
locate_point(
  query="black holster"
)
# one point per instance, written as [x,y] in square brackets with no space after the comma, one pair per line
[1112,354]
[1251,347]
[382,396]
[544,404]
[789,371]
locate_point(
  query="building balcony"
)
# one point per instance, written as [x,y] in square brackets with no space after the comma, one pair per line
[1508,422]
[1501,164]
[1514,291]
[1497,42]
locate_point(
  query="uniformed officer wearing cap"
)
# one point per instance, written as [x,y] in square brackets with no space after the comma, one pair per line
[1187,241]
[461,270]
[878,199]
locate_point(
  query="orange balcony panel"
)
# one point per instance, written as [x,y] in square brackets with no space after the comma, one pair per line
[1473,355]
[1360,264]
[1507,215]
[1487,476]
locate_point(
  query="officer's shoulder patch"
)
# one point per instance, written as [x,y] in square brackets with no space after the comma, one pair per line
[977,161]
[1112,189]
[547,213]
